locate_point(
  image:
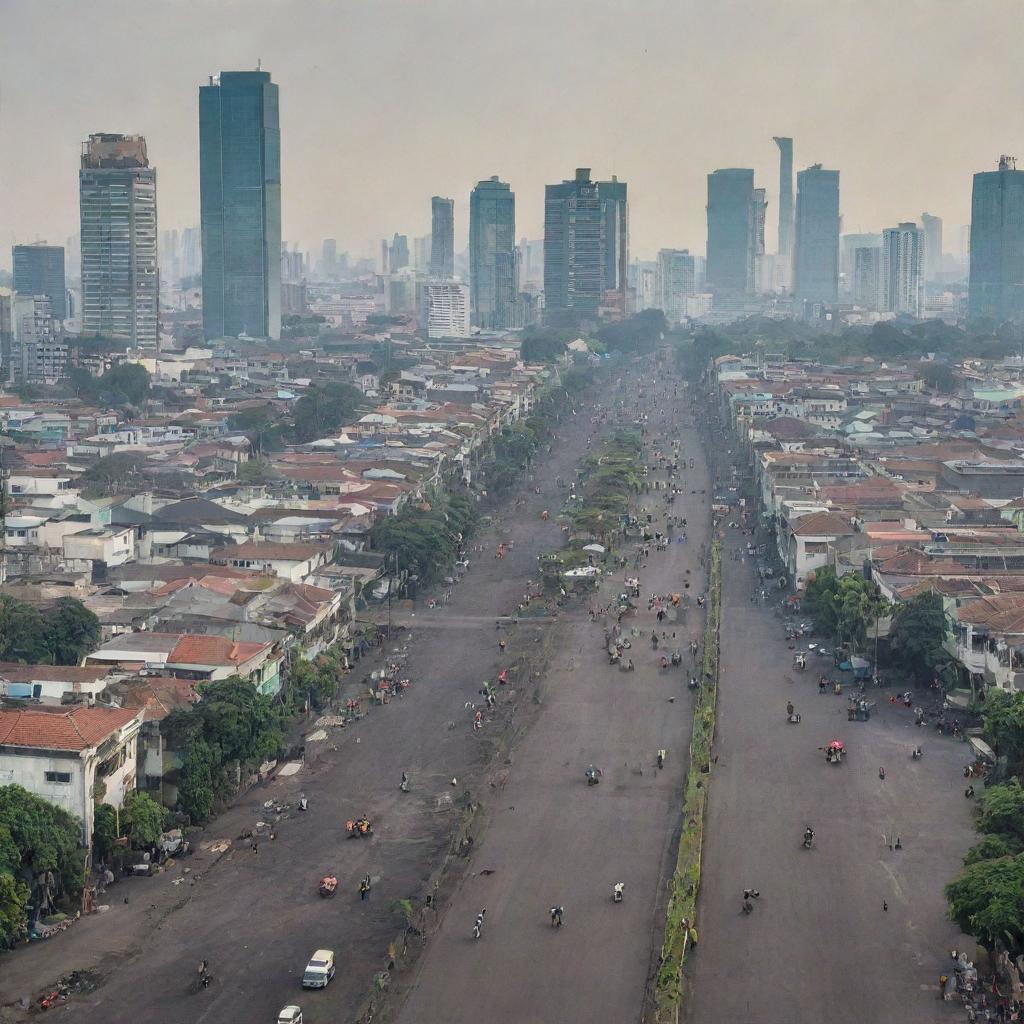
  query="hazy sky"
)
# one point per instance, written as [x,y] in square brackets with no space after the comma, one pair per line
[387,102]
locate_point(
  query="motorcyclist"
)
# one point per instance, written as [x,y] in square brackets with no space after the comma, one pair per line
[404,784]
[617,891]
[808,836]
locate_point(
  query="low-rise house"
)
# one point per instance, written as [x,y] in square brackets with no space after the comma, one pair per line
[74,758]
[808,541]
[213,658]
[53,684]
[91,548]
[292,561]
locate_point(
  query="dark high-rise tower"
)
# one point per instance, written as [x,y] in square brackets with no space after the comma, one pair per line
[492,255]
[39,270]
[240,203]
[615,211]
[816,252]
[442,237]
[731,216]
[120,268]
[785,197]
[997,243]
[574,254]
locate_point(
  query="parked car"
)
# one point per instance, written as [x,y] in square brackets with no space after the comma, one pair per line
[319,970]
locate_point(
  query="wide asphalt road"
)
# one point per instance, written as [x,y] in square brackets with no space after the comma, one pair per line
[554,840]
[820,944]
[257,917]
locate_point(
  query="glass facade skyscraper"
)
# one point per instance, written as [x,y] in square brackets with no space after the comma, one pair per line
[120,268]
[997,243]
[575,255]
[816,255]
[730,265]
[492,255]
[39,270]
[615,210]
[240,205]
[442,238]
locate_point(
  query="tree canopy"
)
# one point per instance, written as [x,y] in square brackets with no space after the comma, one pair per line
[987,901]
[64,635]
[35,836]
[843,606]
[323,409]
[915,638]
[1002,721]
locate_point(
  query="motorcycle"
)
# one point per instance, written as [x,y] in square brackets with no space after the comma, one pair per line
[360,828]
[617,891]
[917,754]
[808,838]
[593,776]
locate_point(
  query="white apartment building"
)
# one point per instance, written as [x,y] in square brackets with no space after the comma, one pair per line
[446,309]
[902,282]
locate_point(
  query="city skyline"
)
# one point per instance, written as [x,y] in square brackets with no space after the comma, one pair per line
[633,69]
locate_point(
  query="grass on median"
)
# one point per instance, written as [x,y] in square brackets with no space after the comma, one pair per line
[685,884]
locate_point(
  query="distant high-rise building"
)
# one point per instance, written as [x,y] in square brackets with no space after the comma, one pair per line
[399,254]
[674,283]
[997,243]
[848,246]
[760,214]
[442,237]
[240,204]
[931,265]
[816,249]
[39,352]
[493,262]
[445,309]
[39,270]
[329,255]
[615,212]
[785,246]
[574,249]
[867,276]
[191,252]
[120,268]
[731,215]
[902,255]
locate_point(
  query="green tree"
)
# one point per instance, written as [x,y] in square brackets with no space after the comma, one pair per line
[45,837]
[113,473]
[544,345]
[1002,720]
[915,639]
[323,409]
[14,896]
[22,632]
[131,380]
[196,794]
[938,376]
[991,847]
[143,819]
[261,424]
[987,901]
[104,832]
[72,631]
[1002,810]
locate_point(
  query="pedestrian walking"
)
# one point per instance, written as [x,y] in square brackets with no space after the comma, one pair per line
[556,917]
[255,847]
[364,888]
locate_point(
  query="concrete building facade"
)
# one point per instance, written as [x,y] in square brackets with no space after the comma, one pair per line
[493,261]
[816,249]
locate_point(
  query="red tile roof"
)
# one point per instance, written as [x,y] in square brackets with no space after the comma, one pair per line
[75,729]
[213,650]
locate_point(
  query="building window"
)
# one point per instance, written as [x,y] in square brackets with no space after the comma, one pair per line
[61,777]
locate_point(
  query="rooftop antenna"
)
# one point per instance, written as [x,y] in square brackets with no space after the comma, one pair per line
[259,64]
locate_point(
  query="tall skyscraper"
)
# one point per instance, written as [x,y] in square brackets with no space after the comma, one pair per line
[240,204]
[931,265]
[120,268]
[730,266]
[866,285]
[674,282]
[398,258]
[446,309]
[329,255]
[442,237]
[785,246]
[493,266]
[816,250]
[997,243]
[574,249]
[615,212]
[902,255]
[39,270]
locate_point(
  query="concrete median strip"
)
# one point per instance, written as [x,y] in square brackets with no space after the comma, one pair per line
[685,883]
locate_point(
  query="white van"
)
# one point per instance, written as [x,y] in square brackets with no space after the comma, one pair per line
[319,970]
